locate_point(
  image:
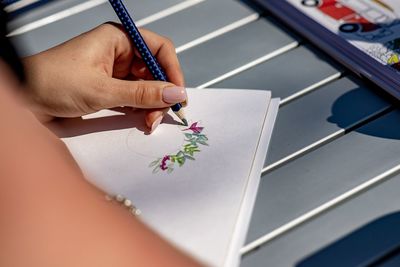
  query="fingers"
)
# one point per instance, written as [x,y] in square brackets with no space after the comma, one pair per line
[125,55]
[164,50]
[126,63]
[140,71]
[138,94]
[154,117]
[109,48]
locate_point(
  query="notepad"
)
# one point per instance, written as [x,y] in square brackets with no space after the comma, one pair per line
[195,185]
[364,35]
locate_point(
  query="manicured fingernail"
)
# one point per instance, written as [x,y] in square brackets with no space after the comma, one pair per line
[156,123]
[173,95]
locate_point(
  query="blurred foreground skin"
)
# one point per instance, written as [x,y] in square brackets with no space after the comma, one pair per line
[49,215]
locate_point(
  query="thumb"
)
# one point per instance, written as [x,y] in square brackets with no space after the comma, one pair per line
[143,94]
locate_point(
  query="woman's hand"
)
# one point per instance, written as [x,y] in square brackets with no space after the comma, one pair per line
[100,69]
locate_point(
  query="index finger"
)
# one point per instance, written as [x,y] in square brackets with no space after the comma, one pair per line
[164,50]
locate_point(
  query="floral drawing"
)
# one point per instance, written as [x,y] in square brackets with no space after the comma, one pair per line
[194,138]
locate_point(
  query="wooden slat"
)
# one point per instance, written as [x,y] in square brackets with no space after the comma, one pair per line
[286,74]
[232,50]
[366,153]
[60,31]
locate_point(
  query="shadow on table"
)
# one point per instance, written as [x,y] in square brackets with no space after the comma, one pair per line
[375,244]
[353,107]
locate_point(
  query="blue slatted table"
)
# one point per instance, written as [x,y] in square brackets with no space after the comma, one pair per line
[333,164]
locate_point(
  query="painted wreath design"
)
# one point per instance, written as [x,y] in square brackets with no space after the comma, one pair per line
[193,139]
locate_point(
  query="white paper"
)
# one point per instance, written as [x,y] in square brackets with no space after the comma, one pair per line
[196,206]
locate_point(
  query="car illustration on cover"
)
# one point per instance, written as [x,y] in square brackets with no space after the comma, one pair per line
[368,19]
[388,53]
[394,59]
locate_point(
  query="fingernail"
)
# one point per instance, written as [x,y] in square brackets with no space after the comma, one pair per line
[173,95]
[156,123]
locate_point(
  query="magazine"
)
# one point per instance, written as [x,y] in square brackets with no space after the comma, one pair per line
[362,34]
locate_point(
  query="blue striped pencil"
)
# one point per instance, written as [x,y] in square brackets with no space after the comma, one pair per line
[151,62]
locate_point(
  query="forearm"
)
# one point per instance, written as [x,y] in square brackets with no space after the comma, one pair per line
[50,216]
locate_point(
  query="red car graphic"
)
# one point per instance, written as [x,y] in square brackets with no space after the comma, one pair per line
[353,21]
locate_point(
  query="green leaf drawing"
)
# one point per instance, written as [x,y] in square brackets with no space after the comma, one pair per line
[203,143]
[156,169]
[190,149]
[189,157]
[155,163]
[191,146]
[181,161]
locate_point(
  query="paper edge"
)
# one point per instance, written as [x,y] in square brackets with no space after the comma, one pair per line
[249,198]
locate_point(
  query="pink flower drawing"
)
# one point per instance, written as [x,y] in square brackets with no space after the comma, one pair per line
[194,128]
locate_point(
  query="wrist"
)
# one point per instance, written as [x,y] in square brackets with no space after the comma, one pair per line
[35,82]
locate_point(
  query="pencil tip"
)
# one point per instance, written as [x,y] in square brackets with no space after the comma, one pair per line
[181,115]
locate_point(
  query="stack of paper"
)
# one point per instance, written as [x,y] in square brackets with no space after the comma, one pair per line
[195,185]
[363,34]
